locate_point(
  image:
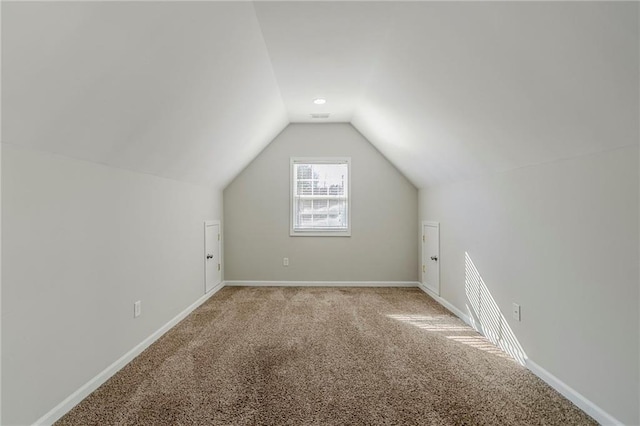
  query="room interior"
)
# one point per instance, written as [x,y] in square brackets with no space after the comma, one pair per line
[126,125]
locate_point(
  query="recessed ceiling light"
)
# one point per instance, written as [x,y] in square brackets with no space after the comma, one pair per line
[319,101]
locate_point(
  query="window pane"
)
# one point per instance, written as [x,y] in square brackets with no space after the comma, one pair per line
[320,206]
[335,220]
[304,187]
[306,220]
[320,221]
[303,171]
[306,206]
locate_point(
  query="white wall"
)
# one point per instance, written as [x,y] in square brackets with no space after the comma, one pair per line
[81,243]
[560,239]
[1,272]
[383,245]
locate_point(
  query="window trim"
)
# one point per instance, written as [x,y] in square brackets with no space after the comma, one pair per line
[319,232]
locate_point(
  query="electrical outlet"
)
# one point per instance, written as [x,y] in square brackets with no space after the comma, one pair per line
[285,261]
[137,309]
[515,311]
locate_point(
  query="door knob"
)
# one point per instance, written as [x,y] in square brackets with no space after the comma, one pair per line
[209,256]
[434,258]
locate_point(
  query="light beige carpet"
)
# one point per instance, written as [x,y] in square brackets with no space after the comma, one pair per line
[323,356]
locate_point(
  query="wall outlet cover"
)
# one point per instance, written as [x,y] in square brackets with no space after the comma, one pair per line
[515,311]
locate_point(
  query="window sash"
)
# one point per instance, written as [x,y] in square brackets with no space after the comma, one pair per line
[314,213]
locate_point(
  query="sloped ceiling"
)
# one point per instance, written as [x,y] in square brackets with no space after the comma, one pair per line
[174,89]
[446,91]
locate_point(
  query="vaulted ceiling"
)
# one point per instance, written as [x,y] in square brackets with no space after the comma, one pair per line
[195,90]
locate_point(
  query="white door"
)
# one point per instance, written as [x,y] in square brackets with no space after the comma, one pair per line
[212,261]
[431,256]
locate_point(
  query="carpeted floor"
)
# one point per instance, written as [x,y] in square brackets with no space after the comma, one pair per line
[323,356]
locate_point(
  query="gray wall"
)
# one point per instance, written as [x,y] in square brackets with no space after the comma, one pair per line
[81,243]
[560,239]
[384,236]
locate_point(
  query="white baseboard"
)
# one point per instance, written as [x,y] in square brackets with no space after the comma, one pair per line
[565,390]
[72,400]
[321,283]
[76,397]
[572,395]
[457,312]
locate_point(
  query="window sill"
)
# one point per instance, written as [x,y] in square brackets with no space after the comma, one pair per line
[293,233]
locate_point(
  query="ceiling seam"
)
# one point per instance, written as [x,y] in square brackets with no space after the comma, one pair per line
[489,174]
[273,71]
[374,71]
[109,166]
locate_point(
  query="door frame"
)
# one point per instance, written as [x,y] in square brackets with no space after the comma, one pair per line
[211,223]
[436,225]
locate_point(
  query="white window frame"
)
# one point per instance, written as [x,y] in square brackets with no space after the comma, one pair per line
[319,232]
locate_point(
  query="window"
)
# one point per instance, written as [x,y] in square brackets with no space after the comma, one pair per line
[320,191]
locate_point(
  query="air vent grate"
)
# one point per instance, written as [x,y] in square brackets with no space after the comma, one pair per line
[320,115]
